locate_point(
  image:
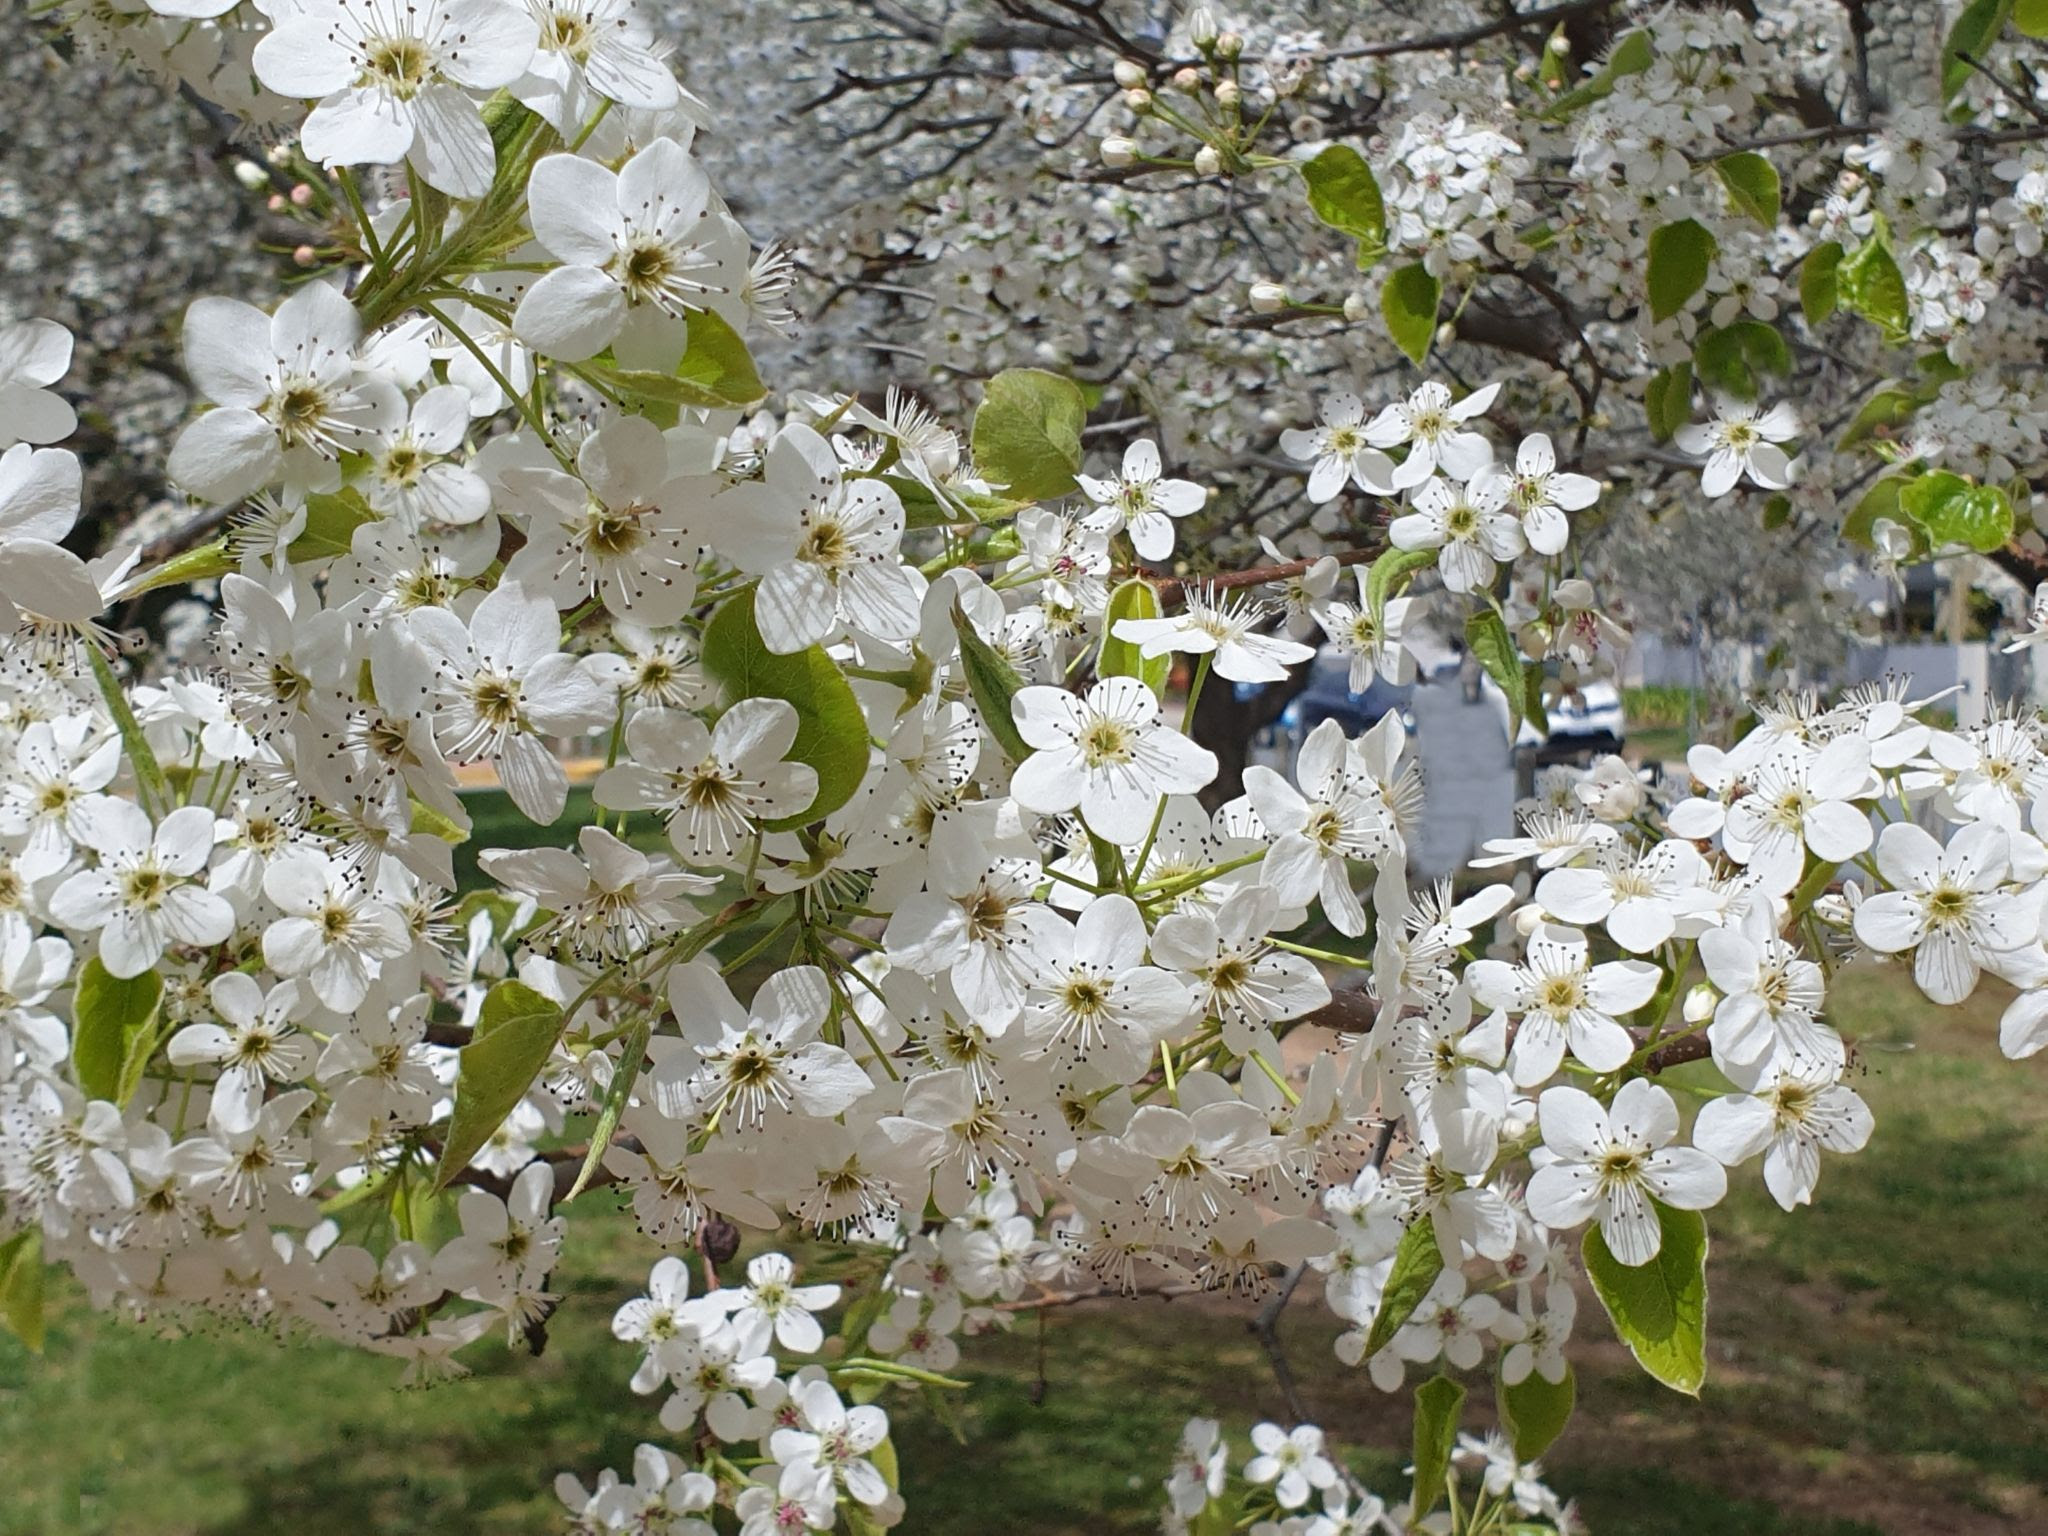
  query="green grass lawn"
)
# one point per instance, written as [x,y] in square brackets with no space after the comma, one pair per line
[1880,1364]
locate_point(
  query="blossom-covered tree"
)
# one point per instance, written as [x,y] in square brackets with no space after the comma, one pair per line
[900,922]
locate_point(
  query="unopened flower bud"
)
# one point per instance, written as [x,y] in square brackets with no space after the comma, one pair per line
[1700,1003]
[1207,161]
[1268,298]
[1117,150]
[1139,101]
[1128,74]
[718,1240]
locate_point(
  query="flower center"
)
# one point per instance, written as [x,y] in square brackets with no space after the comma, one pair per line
[145,886]
[496,700]
[1947,905]
[400,65]
[825,543]
[612,533]
[566,32]
[1107,743]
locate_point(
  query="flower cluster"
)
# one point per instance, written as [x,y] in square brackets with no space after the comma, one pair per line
[907,914]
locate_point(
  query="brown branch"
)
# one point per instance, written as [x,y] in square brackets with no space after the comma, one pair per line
[1479,32]
[1170,587]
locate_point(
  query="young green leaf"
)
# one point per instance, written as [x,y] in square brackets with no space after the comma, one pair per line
[1390,573]
[1438,1402]
[208,562]
[1487,638]
[993,682]
[1133,599]
[331,524]
[1820,287]
[1659,1308]
[1667,401]
[1534,1411]
[1631,55]
[1975,30]
[1409,302]
[1752,181]
[831,731]
[1680,255]
[1880,501]
[134,745]
[515,1032]
[21,1287]
[1730,357]
[1957,511]
[1345,196]
[113,1030]
[1027,433]
[1872,286]
[1888,407]
[616,1094]
[1417,1263]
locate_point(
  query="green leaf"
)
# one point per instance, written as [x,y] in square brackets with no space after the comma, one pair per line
[1668,400]
[134,745]
[1133,599]
[1345,196]
[1975,30]
[1438,1402]
[1409,302]
[1532,698]
[331,524]
[21,1287]
[1730,357]
[1487,638]
[2031,17]
[1027,433]
[1820,287]
[922,508]
[1957,511]
[1659,1308]
[1631,55]
[208,562]
[515,1032]
[831,732]
[1680,255]
[993,682]
[113,1030]
[1871,286]
[1534,1411]
[1417,1263]
[1880,501]
[425,819]
[615,1096]
[1753,182]
[1889,406]
[1390,573]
